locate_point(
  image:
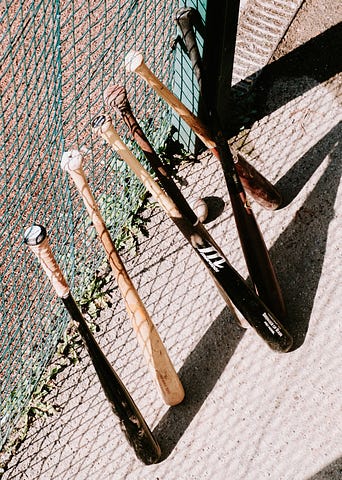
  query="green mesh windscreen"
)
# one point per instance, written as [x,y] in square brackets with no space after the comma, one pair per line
[57,58]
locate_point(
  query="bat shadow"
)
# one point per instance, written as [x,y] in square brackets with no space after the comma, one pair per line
[205,364]
[318,59]
[199,374]
[304,242]
[330,472]
[298,175]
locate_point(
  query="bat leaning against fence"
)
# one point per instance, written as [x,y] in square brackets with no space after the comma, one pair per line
[256,254]
[253,245]
[132,422]
[255,184]
[116,97]
[227,278]
[154,351]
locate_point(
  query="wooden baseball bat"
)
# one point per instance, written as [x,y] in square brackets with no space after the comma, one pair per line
[116,97]
[131,420]
[154,351]
[256,254]
[231,283]
[253,181]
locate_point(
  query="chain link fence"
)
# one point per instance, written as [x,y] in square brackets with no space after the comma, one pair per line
[57,58]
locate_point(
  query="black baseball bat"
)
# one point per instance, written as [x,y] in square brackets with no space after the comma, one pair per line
[232,286]
[131,420]
[253,245]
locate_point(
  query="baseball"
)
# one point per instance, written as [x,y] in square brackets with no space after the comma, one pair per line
[200,208]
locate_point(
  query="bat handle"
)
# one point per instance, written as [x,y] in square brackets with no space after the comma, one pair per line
[102,125]
[36,239]
[185,19]
[72,162]
[134,62]
[115,97]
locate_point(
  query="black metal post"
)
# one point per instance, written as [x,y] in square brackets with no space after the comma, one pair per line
[218,53]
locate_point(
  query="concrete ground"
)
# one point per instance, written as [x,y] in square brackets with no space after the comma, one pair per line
[249,413]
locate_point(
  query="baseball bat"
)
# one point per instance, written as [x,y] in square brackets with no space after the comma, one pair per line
[154,351]
[253,181]
[258,261]
[116,97]
[231,283]
[131,420]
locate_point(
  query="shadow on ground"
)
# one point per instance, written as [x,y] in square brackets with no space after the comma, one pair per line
[318,59]
[331,472]
[200,372]
[304,243]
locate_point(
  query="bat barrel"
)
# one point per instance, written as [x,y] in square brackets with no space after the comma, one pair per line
[123,406]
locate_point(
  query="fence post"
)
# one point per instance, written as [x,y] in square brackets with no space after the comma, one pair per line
[218,53]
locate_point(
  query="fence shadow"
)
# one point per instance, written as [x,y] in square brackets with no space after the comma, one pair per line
[299,174]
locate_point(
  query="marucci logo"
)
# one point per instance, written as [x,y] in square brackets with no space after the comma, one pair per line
[271,325]
[212,257]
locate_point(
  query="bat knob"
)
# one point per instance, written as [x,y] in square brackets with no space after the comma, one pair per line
[116,96]
[34,235]
[133,61]
[71,160]
[101,122]
[184,12]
